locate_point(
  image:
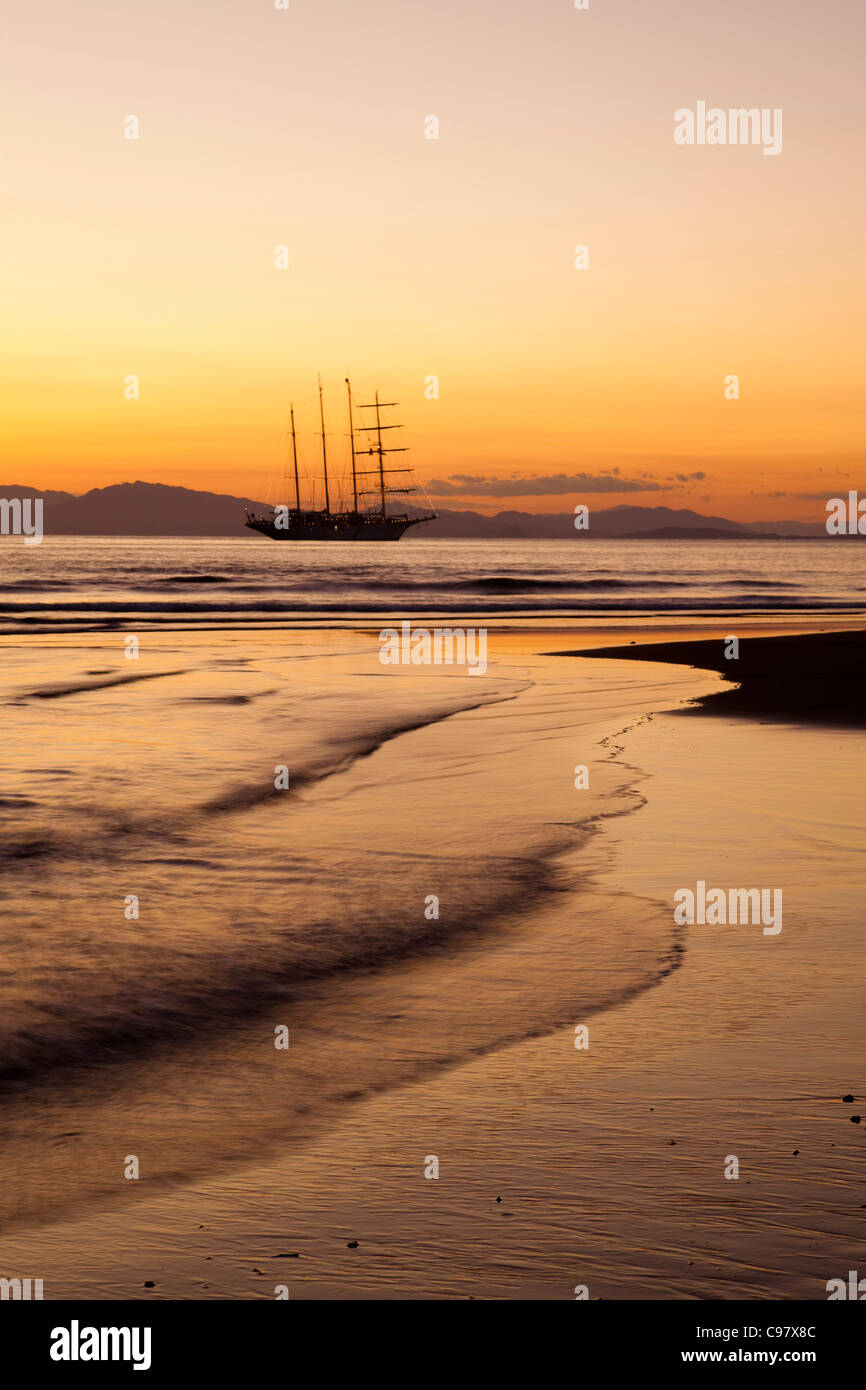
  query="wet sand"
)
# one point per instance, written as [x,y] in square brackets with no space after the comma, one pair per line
[609,1161]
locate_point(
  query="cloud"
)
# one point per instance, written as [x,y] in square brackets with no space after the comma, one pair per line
[547,485]
[841,490]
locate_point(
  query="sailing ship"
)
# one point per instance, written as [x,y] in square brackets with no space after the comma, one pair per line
[371,523]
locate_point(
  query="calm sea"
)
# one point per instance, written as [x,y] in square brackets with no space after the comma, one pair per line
[98,582]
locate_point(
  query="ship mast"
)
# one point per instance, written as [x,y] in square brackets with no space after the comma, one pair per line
[295,459]
[381,454]
[324,449]
[379,449]
[352,438]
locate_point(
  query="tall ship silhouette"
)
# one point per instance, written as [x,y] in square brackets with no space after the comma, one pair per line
[366,521]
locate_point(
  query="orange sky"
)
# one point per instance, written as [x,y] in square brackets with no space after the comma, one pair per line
[454,257]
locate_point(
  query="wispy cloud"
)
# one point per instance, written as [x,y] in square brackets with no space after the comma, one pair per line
[546,485]
[834,490]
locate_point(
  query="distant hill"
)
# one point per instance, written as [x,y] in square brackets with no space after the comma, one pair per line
[632,521]
[609,522]
[142,509]
[703,533]
[50,498]
[790,528]
[156,509]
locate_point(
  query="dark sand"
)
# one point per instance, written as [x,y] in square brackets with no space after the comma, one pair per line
[818,677]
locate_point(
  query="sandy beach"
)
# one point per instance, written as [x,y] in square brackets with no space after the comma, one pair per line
[415,1038]
[432,678]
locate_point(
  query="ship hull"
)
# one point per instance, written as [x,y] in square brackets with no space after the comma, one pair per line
[338,526]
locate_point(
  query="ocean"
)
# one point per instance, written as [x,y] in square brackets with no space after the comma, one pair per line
[69,583]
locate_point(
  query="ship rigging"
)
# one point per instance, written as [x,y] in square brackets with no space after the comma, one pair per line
[375,523]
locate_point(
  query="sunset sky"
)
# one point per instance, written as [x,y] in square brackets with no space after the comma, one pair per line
[412,257]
